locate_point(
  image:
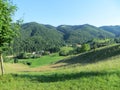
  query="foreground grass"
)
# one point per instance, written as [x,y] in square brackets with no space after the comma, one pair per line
[101,73]
[84,80]
[104,75]
[60,81]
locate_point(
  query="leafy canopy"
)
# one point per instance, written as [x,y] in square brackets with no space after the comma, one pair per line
[7,27]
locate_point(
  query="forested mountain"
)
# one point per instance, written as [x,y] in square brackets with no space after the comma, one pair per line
[82,33]
[112,29]
[36,37]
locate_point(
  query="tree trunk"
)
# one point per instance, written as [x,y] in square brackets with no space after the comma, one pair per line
[1,63]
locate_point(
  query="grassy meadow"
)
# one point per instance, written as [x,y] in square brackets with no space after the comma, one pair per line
[44,60]
[93,70]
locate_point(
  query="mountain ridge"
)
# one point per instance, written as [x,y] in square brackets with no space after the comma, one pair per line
[69,31]
[35,36]
[113,29]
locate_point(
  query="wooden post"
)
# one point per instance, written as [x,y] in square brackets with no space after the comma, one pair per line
[1,63]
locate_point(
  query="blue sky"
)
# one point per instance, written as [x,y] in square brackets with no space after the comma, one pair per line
[69,12]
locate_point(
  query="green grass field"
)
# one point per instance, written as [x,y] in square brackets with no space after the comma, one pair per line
[44,60]
[94,70]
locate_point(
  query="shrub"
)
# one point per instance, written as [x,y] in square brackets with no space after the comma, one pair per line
[63,53]
[15,60]
[28,63]
[54,49]
[85,47]
[66,51]
[27,56]
[78,50]
[22,56]
[46,53]
[35,56]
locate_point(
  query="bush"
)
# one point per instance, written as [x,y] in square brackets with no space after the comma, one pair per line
[21,56]
[85,47]
[15,60]
[78,50]
[27,56]
[66,51]
[54,49]
[63,53]
[35,56]
[28,63]
[46,53]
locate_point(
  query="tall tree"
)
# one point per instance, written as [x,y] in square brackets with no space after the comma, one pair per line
[7,27]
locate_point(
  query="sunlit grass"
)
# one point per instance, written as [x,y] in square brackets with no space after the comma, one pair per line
[104,75]
[101,75]
[43,60]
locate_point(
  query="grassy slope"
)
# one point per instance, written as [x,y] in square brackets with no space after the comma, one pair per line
[98,71]
[44,60]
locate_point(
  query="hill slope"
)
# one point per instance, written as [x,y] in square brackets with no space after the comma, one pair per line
[36,37]
[101,54]
[82,33]
[113,29]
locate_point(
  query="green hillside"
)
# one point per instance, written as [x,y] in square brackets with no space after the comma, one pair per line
[94,56]
[36,37]
[113,29]
[82,33]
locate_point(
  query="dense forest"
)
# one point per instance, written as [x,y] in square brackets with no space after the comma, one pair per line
[113,29]
[36,37]
[82,33]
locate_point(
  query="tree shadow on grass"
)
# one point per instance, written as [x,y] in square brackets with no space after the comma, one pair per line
[63,76]
[93,56]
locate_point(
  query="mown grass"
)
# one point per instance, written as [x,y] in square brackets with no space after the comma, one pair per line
[44,60]
[99,74]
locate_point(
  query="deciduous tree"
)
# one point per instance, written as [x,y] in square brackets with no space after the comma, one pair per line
[7,27]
